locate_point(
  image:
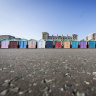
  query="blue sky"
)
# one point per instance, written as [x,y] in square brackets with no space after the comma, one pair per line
[29,18]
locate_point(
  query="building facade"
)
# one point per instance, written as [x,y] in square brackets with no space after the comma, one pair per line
[45,36]
[8,37]
[91,37]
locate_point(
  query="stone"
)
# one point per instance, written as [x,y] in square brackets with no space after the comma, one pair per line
[34,84]
[74,92]
[45,93]
[80,94]
[29,75]
[76,84]
[94,73]
[94,78]
[66,60]
[6,83]
[43,81]
[88,73]
[16,89]
[10,66]
[34,73]
[61,89]
[68,85]
[54,73]
[50,90]
[1,69]
[30,91]
[4,92]
[46,81]
[49,81]
[4,68]
[12,85]
[67,75]
[21,92]
[86,82]
[12,71]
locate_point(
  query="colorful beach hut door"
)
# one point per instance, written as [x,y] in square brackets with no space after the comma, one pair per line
[58,44]
[22,44]
[13,44]
[32,44]
[74,44]
[41,44]
[4,44]
[83,44]
[66,44]
[25,44]
[49,44]
[91,44]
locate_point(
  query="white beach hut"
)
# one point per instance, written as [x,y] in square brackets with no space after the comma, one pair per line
[41,44]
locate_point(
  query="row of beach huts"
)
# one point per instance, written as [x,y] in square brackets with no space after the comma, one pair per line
[46,44]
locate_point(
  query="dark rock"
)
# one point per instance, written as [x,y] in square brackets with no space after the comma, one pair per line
[68,85]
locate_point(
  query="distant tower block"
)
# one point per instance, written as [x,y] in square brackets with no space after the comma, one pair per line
[45,35]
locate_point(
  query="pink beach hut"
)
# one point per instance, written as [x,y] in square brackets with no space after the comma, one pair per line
[32,43]
[4,44]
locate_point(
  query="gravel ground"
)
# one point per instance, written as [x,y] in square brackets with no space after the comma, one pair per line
[47,72]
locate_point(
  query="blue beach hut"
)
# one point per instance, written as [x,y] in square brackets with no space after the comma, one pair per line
[49,44]
[91,44]
[23,43]
[74,44]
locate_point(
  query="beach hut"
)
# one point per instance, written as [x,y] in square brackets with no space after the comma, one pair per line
[83,44]
[58,44]
[66,44]
[41,44]
[74,44]
[23,43]
[49,44]
[0,43]
[13,43]
[5,43]
[91,44]
[32,43]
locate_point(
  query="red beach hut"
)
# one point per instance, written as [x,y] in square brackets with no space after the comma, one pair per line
[58,44]
[13,44]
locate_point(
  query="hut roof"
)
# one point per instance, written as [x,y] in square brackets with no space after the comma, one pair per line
[49,40]
[23,40]
[32,40]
